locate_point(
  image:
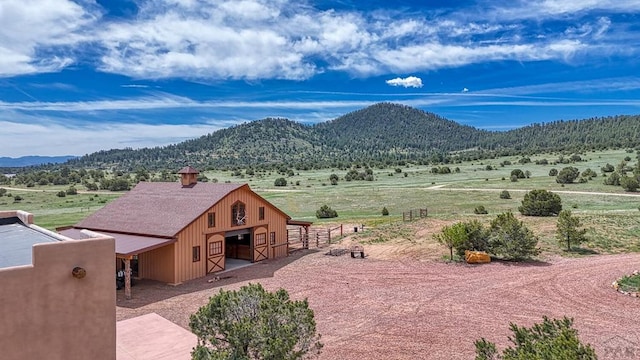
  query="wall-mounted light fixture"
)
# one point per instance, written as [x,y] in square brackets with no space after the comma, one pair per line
[78,272]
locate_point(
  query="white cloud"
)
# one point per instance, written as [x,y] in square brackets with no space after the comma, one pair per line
[410,81]
[436,56]
[55,138]
[34,34]
[544,9]
[287,39]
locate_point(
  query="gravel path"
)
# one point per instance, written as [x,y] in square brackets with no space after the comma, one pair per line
[395,309]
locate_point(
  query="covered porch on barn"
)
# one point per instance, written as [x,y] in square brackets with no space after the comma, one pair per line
[128,247]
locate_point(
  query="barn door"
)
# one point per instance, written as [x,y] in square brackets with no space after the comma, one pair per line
[215,253]
[260,246]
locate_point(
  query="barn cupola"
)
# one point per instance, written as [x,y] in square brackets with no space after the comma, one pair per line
[188,176]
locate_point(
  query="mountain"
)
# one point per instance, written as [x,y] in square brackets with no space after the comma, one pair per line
[384,133]
[33,160]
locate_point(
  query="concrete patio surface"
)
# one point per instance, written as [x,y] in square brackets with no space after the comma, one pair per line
[152,337]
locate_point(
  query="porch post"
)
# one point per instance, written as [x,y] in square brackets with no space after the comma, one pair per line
[127,277]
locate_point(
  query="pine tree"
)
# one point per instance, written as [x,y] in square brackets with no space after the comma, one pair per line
[569,230]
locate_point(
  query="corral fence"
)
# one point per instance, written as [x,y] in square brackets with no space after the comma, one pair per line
[414,214]
[316,237]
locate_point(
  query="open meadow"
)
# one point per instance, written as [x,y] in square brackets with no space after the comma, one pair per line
[611,215]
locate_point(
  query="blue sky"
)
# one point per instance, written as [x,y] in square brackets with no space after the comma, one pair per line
[82,76]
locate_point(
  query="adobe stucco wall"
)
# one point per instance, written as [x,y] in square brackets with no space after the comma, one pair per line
[46,313]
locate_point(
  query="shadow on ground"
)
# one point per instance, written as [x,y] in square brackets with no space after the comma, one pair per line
[523,263]
[145,292]
[581,251]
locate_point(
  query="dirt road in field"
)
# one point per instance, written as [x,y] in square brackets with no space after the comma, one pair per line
[412,309]
[444,187]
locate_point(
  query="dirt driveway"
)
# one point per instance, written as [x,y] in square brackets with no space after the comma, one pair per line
[394,309]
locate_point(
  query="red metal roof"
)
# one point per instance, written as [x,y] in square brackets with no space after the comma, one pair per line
[157,208]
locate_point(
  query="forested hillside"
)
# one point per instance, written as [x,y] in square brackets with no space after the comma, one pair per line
[383,133]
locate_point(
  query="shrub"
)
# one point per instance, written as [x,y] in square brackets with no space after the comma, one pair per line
[72,191]
[518,173]
[553,339]
[280,182]
[589,174]
[3,191]
[480,210]
[17,198]
[326,212]
[504,194]
[629,183]
[252,323]
[385,212]
[514,178]
[608,168]
[567,175]
[613,179]
[540,203]
[575,158]
[511,239]
[553,172]
[461,236]
[477,238]
[61,194]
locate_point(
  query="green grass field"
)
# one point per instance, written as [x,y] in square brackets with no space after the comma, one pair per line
[611,215]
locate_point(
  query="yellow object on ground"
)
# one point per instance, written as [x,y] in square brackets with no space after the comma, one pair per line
[476,257]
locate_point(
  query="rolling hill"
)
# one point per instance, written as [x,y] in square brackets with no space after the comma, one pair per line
[382,133]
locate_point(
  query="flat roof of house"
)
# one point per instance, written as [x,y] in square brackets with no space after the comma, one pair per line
[17,240]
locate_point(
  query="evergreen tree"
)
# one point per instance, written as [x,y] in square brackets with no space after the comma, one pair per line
[252,323]
[511,239]
[540,203]
[568,229]
[552,339]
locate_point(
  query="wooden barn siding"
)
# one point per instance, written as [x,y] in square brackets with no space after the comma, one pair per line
[194,234]
[158,264]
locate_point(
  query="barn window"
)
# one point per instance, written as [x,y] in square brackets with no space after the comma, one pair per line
[272,238]
[238,215]
[195,253]
[215,248]
[261,213]
[211,219]
[261,239]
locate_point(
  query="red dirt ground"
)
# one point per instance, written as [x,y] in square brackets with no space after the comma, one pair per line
[411,309]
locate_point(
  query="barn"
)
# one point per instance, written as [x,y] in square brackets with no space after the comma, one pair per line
[174,232]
